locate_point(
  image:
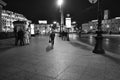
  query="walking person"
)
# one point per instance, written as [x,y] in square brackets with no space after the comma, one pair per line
[51,38]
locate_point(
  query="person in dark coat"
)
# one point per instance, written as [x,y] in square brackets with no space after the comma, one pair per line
[63,35]
[20,38]
[15,35]
[51,38]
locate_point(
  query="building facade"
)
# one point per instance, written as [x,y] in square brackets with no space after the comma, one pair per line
[2,3]
[108,26]
[8,17]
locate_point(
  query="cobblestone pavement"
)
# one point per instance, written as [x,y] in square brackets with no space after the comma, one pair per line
[68,60]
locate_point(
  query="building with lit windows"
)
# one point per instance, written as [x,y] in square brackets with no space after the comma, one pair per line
[8,17]
[108,26]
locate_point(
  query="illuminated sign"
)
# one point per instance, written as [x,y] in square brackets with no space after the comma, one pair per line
[68,22]
[32,29]
[42,21]
[106,14]
[93,1]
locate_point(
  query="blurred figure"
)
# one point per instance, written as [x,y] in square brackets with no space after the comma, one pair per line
[20,37]
[15,34]
[67,35]
[27,41]
[63,35]
[52,37]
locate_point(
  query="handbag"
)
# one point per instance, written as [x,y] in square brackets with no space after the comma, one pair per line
[49,41]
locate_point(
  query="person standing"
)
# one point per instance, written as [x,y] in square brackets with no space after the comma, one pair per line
[21,37]
[15,35]
[27,37]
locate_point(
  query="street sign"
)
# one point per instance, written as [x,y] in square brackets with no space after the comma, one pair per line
[93,1]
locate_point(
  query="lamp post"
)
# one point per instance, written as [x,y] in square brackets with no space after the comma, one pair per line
[60,3]
[99,38]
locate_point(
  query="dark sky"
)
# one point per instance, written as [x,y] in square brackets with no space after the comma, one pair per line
[80,10]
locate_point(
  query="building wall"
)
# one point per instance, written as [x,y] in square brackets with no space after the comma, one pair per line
[8,17]
[111,25]
[42,28]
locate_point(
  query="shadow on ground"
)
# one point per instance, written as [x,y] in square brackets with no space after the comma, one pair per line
[2,49]
[49,48]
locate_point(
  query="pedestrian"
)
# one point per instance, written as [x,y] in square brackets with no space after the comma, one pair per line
[20,37]
[63,34]
[51,38]
[27,41]
[15,35]
[67,36]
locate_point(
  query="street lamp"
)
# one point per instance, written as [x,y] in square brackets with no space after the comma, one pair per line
[60,3]
[99,38]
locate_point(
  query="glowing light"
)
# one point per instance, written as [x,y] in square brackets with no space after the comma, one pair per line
[119,28]
[74,22]
[51,25]
[117,17]
[32,29]
[91,27]
[107,41]
[42,21]
[94,20]
[54,22]
[91,39]
[107,26]
[60,2]
[68,22]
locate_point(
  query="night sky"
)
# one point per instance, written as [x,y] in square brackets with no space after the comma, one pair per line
[81,10]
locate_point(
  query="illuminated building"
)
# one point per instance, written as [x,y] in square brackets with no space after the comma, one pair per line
[8,17]
[2,3]
[110,25]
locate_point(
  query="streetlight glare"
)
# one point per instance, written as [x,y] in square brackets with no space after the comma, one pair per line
[60,2]
[54,22]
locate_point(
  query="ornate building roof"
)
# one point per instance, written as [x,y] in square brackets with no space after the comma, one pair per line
[3,3]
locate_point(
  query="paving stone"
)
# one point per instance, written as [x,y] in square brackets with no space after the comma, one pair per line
[21,75]
[6,71]
[92,73]
[64,62]
[41,77]
[76,69]
[68,76]
[112,72]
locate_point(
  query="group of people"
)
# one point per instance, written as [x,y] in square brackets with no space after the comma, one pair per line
[22,36]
